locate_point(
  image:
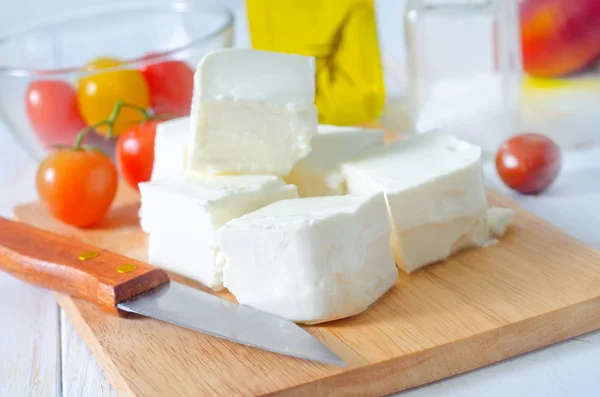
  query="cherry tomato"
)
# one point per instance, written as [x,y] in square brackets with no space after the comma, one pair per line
[135,153]
[77,186]
[52,110]
[528,163]
[102,63]
[97,95]
[171,84]
[97,64]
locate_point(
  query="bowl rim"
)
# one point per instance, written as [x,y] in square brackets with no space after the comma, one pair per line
[65,17]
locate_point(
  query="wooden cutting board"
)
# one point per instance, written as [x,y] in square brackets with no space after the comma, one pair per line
[536,287]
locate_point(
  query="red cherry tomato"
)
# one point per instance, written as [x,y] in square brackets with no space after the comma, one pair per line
[135,153]
[171,85]
[52,110]
[77,186]
[528,163]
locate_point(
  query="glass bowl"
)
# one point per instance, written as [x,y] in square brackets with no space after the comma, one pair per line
[41,67]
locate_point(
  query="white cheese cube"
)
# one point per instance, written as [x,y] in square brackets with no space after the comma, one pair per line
[310,260]
[498,220]
[252,112]
[170,147]
[319,174]
[182,213]
[435,194]
[188,255]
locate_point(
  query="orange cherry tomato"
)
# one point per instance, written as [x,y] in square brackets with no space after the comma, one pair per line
[135,153]
[528,163]
[171,85]
[52,110]
[77,186]
[98,93]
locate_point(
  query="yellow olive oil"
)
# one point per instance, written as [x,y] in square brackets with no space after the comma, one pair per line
[342,36]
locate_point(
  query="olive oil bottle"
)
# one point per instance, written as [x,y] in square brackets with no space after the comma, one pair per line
[342,36]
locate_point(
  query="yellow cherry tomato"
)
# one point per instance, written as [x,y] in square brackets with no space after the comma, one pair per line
[102,63]
[97,95]
[96,64]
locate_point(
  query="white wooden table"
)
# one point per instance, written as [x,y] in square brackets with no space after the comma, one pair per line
[41,354]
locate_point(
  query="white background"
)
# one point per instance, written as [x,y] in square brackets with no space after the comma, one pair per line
[42,355]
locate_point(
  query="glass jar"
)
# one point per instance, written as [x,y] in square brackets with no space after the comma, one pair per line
[464,68]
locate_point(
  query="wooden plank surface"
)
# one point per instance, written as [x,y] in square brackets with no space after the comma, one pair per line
[32,367]
[80,375]
[536,287]
[29,320]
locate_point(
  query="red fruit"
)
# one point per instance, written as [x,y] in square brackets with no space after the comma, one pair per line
[77,186]
[528,163]
[52,110]
[171,85]
[135,153]
[559,36]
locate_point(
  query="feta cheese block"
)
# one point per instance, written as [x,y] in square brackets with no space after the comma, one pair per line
[187,255]
[319,174]
[310,260]
[435,194]
[498,220]
[182,213]
[252,112]
[170,147]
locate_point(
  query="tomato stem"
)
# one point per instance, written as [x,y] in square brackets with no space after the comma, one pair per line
[117,109]
[81,135]
[110,122]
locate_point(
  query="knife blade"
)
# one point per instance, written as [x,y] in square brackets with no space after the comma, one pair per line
[122,285]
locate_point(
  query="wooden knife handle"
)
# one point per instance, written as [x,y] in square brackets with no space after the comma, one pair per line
[53,261]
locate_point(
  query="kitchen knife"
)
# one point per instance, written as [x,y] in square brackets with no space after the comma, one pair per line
[122,285]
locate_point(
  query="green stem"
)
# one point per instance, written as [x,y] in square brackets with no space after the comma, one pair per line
[115,113]
[110,122]
[81,135]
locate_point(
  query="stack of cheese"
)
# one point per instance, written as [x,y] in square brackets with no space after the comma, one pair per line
[223,205]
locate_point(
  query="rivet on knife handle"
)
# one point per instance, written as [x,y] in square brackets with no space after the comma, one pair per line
[52,261]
